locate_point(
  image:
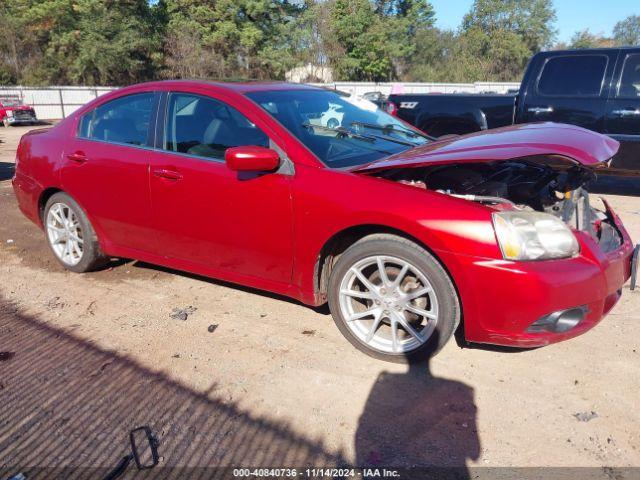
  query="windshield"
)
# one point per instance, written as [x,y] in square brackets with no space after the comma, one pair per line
[341,131]
[10,102]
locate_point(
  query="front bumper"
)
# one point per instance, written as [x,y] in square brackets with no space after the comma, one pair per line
[22,119]
[501,299]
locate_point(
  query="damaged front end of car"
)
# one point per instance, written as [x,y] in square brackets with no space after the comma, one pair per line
[548,184]
[561,256]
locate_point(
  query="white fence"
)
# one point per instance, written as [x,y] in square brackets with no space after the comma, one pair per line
[54,102]
[58,102]
[359,88]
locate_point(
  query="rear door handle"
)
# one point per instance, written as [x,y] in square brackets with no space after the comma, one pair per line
[78,157]
[166,173]
[626,113]
[540,109]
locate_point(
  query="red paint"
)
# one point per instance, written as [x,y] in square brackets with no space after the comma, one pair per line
[267,230]
[517,141]
[251,159]
[8,110]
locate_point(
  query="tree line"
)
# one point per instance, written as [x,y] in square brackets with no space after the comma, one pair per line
[119,42]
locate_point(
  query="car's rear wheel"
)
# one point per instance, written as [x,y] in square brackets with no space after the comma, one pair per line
[392,299]
[70,235]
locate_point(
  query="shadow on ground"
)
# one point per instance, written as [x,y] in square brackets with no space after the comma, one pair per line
[415,419]
[6,170]
[68,403]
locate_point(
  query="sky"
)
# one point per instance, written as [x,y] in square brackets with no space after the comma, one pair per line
[599,16]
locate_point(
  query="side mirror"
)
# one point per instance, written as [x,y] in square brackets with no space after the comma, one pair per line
[144,447]
[251,158]
[144,450]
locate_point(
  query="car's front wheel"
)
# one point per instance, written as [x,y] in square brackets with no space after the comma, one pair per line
[392,299]
[70,234]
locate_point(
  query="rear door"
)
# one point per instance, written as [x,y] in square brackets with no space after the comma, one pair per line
[569,88]
[106,169]
[207,215]
[623,114]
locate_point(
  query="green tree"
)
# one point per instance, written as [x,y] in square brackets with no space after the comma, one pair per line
[82,41]
[531,20]
[19,49]
[231,38]
[114,42]
[627,31]
[406,22]
[312,37]
[360,41]
[587,39]
[376,40]
[499,55]
[497,38]
[434,61]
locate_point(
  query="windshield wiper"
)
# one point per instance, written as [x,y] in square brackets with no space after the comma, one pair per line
[397,128]
[345,132]
[342,132]
[369,137]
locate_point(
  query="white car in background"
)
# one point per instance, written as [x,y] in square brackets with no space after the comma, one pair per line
[332,118]
[334,115]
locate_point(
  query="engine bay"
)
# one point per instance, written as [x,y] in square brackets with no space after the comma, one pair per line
[554,188]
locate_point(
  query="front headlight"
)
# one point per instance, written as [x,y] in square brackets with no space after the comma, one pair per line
[533,236]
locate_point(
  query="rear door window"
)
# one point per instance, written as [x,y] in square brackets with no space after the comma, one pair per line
[123,120]
[629,86]
[573,76]
[204,127]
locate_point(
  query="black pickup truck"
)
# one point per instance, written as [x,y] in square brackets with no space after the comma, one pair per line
[597,89]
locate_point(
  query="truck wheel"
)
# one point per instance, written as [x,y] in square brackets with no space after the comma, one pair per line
[392,299]
[70,235]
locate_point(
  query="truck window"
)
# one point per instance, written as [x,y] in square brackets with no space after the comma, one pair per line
[629,86]
[572,76]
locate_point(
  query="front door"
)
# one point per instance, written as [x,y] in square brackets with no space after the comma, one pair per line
[623,116]
[208,215]
[570,89]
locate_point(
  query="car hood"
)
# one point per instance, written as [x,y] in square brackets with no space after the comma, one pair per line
[18,107]
[577,145]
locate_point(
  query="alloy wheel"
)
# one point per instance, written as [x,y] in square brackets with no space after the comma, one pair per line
[65,233]
[388,304]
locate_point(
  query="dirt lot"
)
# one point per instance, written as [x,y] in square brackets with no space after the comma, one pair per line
[275,383]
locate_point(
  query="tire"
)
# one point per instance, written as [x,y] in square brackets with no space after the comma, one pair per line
[66,224]
[333,123]
[424,275]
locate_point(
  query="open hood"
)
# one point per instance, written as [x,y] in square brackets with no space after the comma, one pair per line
[575,144]
[19,107]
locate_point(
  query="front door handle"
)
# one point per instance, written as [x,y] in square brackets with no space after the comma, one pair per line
[537,110]
[78,157]
[626,113]
[166,173]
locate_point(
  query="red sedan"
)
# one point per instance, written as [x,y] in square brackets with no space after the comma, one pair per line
[404,236]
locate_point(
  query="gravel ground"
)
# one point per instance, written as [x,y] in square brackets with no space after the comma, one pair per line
[249,378]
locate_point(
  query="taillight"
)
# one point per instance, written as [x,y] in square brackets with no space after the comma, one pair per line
[391,108]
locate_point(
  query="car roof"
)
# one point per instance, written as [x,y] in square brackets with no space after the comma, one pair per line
[573,51]
[238,87]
